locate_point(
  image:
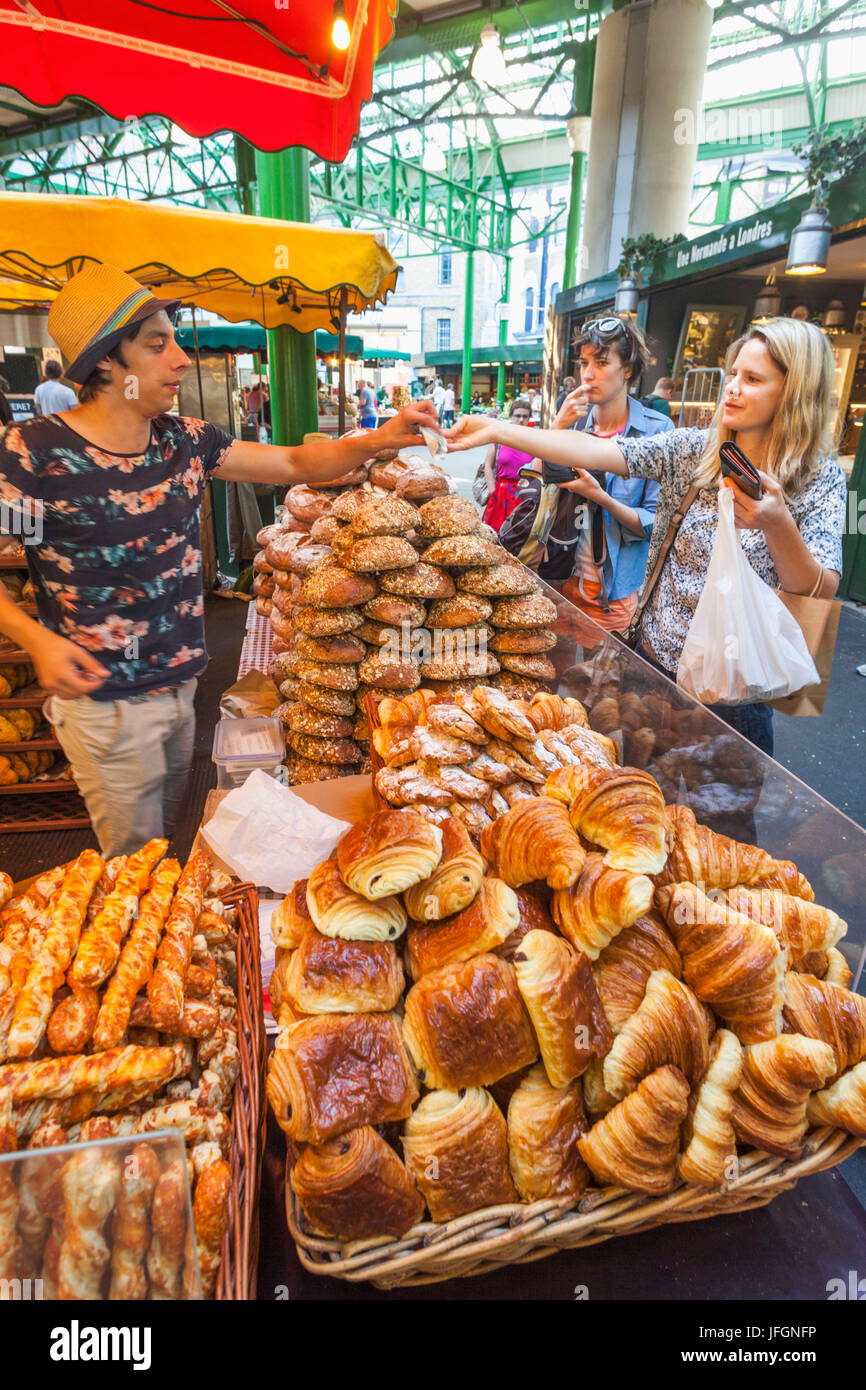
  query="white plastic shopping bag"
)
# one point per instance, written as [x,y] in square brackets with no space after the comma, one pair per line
[743,644]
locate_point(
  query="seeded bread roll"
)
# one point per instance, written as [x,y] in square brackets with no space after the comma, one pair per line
[530,610]
[329,701]
[325,750]
[286,664]
[333,674]
[374,553]
[385,516]
[308,505]
[526,665]
[290,689]
[345,506]
[392,675]
[517,687]
[463,550]
[325,529]
[387,608]
[361,732]
[523,640]
[499,581]
[301,771]
[418,581]
[341,647]
[448,516]
[337,588]
[377,634]
[302,719]
[462,611]
[454,667]
[325,622]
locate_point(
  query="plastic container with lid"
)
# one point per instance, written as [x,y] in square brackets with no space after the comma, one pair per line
[242,745]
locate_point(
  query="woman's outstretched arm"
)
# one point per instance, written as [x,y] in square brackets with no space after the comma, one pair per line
[571,448]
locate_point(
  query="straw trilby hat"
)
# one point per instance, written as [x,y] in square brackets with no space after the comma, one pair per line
[94,310]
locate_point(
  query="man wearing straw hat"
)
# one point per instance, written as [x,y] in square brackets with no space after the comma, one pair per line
[115,491]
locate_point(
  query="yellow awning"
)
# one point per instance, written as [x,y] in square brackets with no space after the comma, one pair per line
[240,267]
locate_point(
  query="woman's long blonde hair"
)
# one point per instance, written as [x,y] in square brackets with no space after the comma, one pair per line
[802,431]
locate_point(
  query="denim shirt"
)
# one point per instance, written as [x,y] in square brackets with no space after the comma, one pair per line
[625,567]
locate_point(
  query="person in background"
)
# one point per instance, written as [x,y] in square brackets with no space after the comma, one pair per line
[438,394]
[6,415]
[534,398]
[660,396]
[568,385]
[777,405]
[448,406]
[502,467]
[368,415]
[51,396]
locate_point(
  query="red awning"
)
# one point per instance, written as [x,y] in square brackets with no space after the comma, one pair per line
[264,68]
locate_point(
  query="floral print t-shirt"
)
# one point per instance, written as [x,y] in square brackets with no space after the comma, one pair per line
[116,557]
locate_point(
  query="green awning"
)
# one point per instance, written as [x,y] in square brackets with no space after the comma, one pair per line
[328,344]
[488,356]
[251,337]
[372,354]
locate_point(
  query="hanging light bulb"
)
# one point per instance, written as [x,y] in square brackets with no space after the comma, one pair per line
[488,65]
[810,244]
[768,305]
[434,160]
[341,34]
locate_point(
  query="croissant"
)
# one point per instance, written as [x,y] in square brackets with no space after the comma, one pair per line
[557,987]
[800,925]
[698,855]
[597,1100]
[534,840]
[733,964]
[842,1105]
[455,881]
[836,1016]
[635,1144]
[354,1186]
[489,921]
[331,976]
[623,968]
[828,965]
[708,1133]
[466,1024]
[338,911]
[455,1147]
[406,713]
[622,810]
[546,711]
[600,904]
[388,852]
[770,1101]
[292,918]
[544,1125]
[670,1026]
[338,1071]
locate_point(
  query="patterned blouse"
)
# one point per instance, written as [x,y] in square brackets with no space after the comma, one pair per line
[116,559]
[818,509]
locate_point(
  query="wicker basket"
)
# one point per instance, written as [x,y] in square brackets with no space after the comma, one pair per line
[240,1253]
[484,1241]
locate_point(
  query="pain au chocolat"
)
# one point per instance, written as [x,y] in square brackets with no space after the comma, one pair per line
[388,852]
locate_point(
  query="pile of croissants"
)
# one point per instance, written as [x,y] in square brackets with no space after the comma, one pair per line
[604,992]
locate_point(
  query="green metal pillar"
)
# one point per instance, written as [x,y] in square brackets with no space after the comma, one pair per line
[284,192]
[504,324]
[578,138]
[469,294]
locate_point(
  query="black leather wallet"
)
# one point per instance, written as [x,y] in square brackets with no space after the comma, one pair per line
[735,465]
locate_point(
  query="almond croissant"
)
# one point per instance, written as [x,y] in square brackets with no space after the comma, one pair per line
[698,855]
[623,968]
[670,1026]
[623,810]
[534,840]
[635,1144]
[708,1133]
[733,964]
[600,904]
[836,1016]
[842,1105]
[801,926]
[770,1101]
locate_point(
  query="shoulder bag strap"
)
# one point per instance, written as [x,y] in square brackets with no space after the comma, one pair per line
[631,635]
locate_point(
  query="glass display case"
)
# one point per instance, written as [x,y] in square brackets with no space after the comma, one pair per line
[105,1219]
[700,762]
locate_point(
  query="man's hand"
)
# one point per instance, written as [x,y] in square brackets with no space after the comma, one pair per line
[400,431]
[573,408]
[62,668]
[470,432]
[585,485]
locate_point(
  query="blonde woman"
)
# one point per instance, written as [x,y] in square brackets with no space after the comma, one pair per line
[777,405]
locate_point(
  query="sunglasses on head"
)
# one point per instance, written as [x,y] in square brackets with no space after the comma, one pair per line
[605,325]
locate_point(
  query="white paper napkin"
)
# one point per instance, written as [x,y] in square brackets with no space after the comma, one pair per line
[269,836]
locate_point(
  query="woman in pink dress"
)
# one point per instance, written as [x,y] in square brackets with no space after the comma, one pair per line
[502,465]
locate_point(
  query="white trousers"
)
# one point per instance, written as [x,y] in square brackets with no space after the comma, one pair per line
[131,760]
